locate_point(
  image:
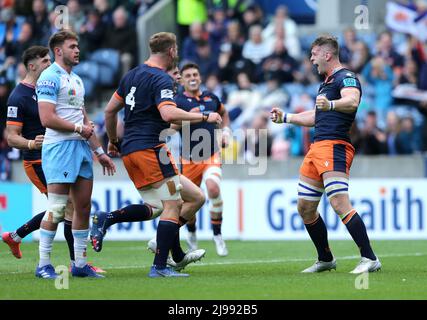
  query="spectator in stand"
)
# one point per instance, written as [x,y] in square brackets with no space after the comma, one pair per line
[392,131]
[373,139]
[360,57]
[256,48]
[76,17]
[40,22]
[105,12]
[280,63]
[251,17]
[25,40]
[406,139]
[282,26]
[92,32]
[205,59]
[213,85]
[348,48]
[385,49]
[380,75]
[189,47]
[409,73]
[245,97]
[230,57]
[217,29]
[123,39]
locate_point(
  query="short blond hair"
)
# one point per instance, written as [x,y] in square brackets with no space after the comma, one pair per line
[161,42]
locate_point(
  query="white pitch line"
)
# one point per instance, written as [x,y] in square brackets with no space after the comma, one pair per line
[237,262]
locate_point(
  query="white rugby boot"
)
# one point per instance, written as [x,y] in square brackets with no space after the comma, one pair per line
[221,248]
[320,266]
[367,265]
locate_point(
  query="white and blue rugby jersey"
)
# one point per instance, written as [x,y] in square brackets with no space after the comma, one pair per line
[66,91]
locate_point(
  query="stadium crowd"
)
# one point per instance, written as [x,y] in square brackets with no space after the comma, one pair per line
[250,60]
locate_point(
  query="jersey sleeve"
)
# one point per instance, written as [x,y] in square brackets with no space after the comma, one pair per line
[15,112]
[219,104]
[350,81]
[164,93]
[120,92]
[47,88]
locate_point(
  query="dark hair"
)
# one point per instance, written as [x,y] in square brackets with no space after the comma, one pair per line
[190,65]
[329,41]
[161,42]
[59,38]
[33,52]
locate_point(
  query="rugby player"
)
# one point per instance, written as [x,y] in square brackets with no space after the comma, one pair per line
[326,166]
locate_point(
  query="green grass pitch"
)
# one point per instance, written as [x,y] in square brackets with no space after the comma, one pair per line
[254,270]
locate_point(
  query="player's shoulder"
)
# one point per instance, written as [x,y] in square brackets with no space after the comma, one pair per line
[347,78]
[16,95]
[50,76]
[345,73]
[210,96]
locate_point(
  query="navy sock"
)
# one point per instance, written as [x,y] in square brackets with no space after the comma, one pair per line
[357,229]
[177,252]
[30,226]
[68,234]
[131,213]
[319,235]
[216,226]
[191,227]
[166,233]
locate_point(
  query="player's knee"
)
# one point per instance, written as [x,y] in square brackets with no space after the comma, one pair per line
[340,204]
[213,191]
[306,209]
[57,204]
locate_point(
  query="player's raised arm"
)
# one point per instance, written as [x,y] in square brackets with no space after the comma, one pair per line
[305,119]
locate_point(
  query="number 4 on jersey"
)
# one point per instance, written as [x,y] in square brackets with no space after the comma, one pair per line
[130,98]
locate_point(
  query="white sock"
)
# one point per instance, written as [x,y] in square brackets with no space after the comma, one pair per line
[45,246]
[80,244]
[15,237]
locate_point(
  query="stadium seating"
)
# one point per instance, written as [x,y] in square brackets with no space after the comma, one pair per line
[108,61]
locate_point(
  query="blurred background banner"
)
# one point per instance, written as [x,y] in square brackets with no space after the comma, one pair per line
[266,210]
[15,206]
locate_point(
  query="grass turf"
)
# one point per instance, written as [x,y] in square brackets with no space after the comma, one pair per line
[253,270]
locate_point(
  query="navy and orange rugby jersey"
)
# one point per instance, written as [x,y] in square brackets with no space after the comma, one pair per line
[335,125]
[23,111]
[144,90]
[207,102]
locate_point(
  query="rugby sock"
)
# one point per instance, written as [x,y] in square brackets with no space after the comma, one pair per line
[45,246]
[68,234]
[28,227]
[131,213]
[319,235]
[216,226]
[166,233]
[80,244]
[191,227]
[357,229]
[177,253]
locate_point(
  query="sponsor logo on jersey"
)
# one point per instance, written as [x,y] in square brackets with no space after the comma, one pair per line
[12,112]
[166,94]
[46,83]
[349,82]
